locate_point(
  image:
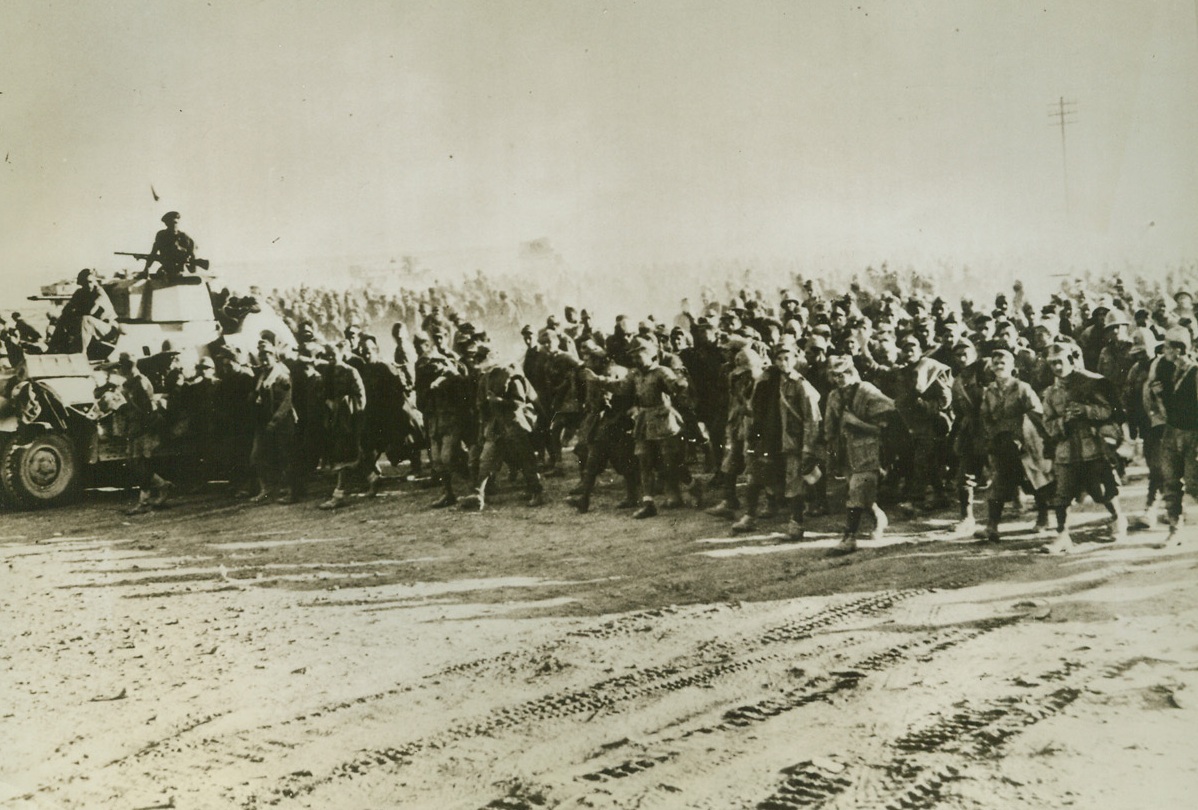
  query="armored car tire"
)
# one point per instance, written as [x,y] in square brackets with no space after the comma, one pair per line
[41,472]
[6,498]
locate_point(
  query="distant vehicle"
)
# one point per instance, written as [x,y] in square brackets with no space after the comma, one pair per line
[57,410]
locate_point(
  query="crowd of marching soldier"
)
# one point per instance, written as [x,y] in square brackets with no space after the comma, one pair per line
[789,406]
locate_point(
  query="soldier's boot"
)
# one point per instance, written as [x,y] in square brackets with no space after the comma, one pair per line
[630,493]
[448,498]
[723,509]
[648,509]
[674,488]
[581,500]
[1119,527]
[1173,539]
[477,500]
[143,503]
[336,501]
[745,524]
[771,507]
[698,493]
[881,522]
[1063,544]
[993,517]
[1152,513]
[373,481]
[968,523]
[263,493]
[162,490]
[847,545]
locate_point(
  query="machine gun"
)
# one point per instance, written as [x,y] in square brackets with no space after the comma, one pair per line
[145,257]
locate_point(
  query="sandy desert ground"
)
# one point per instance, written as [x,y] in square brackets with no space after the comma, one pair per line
[222,655]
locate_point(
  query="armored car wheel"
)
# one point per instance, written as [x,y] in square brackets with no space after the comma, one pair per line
[43,472]
[7,501]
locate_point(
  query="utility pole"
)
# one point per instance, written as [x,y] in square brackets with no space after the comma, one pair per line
[1064,112]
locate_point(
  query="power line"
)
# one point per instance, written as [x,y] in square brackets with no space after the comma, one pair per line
[1064,112]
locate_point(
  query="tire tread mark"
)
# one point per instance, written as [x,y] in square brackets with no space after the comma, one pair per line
[912,782]
[601,695]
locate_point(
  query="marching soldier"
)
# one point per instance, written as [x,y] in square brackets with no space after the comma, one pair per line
[508,414]
[1078,408]
[141,425]
[856,415]
[1173,385]
[274,430]
[783,440]
[1006,402]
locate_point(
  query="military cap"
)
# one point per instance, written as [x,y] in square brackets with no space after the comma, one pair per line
[818,341]
[1064,346]
[786,347]
[205,362]
[841,364]
[267,336]
[1178,334]
[170,216]
[1115,318]
[642,345]
[1142,340]
[526,329]
[590,347]
[964,343]
[84,275]
[996,353]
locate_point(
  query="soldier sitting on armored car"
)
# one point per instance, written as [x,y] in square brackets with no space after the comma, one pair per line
[173,249]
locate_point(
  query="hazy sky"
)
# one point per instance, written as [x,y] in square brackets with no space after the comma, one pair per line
[645,131]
